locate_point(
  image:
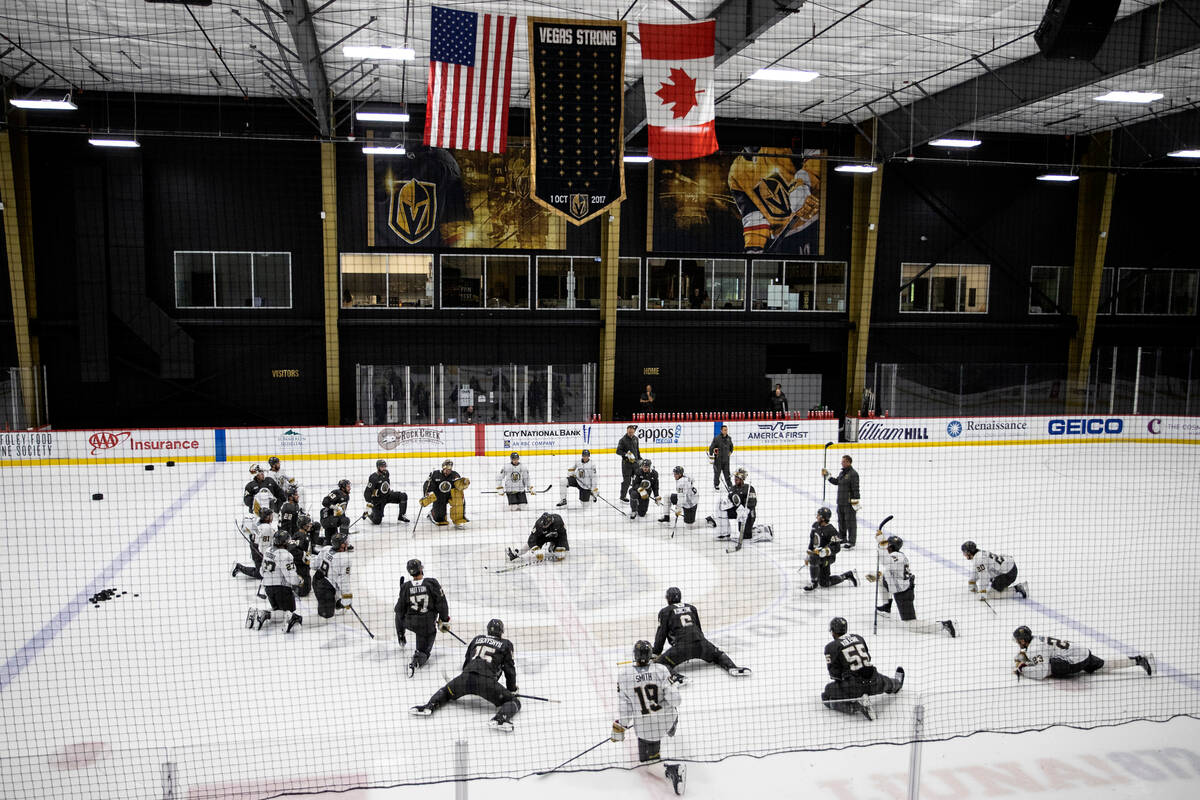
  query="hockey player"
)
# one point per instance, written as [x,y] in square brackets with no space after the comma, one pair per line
[258,483]
[333,508]
[298,546]
[853,674]
[261,532]
[331,576]
[513,482]
[444,489]
[679,626]
[631,456]
[280,582]
[990,572]
[718,455]
[488,657]
[548,539]
[685,498]
[378,493]
[823,547]
[275,473]
[643,486]
[290,511]
[898,582]
[649,703]
[422,609]
[1047,657]
[582,476]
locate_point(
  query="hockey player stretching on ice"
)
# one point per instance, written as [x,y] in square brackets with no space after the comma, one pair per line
[444,489]
[379,493]
[422,609]
[261,533]
[990,572]
[488,657]
[548,539]
[643,487]
[679,625]
[333,509]
[280,580]
[685,498]
[1047,657]
[649,703]
[513,483]
[849,664]
[823,547]
[331,576]
[257,484]
[582,476]
[898,581]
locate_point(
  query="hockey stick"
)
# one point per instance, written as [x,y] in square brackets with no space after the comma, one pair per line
[741,537]
[875,613]
[413,535]
[535,697]
[455,635]
[572,758]
[675,524]
[610,505]
[989,605]
[824,469]
[354,611]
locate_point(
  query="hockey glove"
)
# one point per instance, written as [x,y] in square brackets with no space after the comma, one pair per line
[642,493]
[873,577]
[427,499]
[347,599]
[711,458]
[499,489]
[618,732]
[983,594]
[403,640]
[444,626]
[824,552]
[971,586]
[630,457]
[658,500]
[854,502]
[824,473]
[596,490]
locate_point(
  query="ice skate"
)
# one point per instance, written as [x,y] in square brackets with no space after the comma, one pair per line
[561,503]
[421,711]
[293,621]
[251,615]
[740,672]
[263,616]
[1021,590]
[677,775]
[852,577]
[511,553]
[948,626]
[501,723]
[1146,662]
[679,679]
[864,707]
[899,679]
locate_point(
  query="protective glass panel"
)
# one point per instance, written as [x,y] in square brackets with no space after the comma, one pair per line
[273,280]
[662,283]
[410,280]
[729,285]
[462,281]
[1183,292]
[364,280]
[831,286]
[233,280]
[628,283]
[193,280]
[507,282]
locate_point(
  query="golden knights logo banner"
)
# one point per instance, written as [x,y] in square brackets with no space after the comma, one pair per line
[762,200]
[576,76]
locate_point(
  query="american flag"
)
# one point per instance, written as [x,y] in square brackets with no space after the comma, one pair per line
[470,79]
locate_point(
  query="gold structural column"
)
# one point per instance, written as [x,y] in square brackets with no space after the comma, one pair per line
[868,187]
[14,193]
[610,266]
[329,252]
[1096,190]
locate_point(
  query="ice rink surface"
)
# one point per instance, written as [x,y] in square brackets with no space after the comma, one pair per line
[164,686]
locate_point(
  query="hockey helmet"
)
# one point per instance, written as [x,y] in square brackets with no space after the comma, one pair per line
[514,456]
[894,543]
[677,471]
[824,514]
[415,567]
[280,539]
[641,653]
[303,521]
[255,469]
[586,454]
[646,463]
[838,626]
[1023,636]
[344,484]
[447,464]
[740,474]
[339,540]
[495,628]
[674,595]
[969,549]
[381,464]
[544,522]
[273,461]
[264,514]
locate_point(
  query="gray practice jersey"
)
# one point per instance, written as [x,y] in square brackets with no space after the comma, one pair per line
[584,473]
[513,478]
[278,568]
[649,701]
[334,567]
[261,533]
[685,490]
[896,574]
[985,566]
[1043,648]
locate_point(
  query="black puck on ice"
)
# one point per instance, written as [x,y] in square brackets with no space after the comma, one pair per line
[135,594]
[170,463]
[149,468]
[97,496]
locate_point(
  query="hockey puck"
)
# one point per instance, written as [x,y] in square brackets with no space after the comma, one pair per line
[149,468]
[170,463]
[97,496]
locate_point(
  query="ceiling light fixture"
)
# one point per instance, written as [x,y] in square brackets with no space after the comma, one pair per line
[380,53]
[1055,177]
[376,150]
[44,103]
[638,159]
[1129,97]
[1184,154]
[861,168]
[782,74]
[379,116]
[961,143]
[115,141]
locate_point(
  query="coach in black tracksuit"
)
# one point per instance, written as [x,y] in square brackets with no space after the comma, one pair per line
[631,456]
[719,452]
[847,501]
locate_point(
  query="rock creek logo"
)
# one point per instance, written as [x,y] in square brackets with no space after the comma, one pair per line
[107,440]
[391,438]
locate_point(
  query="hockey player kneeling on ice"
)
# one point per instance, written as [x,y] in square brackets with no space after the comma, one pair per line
[513,483]
[379,493]
[650,704]
[444,490]
[280,582]
[333,509]
[488,657]
[259,531]
[259,483]
[990,572]
[1047,657]
[679,625]
[547,540]
[897,580]
[581,476]
[737,510]
[823,547]
[289,513]
[642,487]
[855,679]
[422,609]
[331,576]
[685,499]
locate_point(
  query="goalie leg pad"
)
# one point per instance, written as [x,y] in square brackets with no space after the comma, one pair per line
[458,506]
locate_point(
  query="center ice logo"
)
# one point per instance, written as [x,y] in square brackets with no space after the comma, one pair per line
[954,429]
[106,440]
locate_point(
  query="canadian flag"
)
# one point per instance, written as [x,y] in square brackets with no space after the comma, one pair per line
[677,70]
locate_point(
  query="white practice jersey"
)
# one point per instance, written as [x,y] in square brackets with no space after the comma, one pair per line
[263,500]
[278,568]
[514,478]
[985,566]
[282,479]
[894,567]
[334,567]
[649,701]
[584,473]
[686,491]
[1043,648]
[261,534]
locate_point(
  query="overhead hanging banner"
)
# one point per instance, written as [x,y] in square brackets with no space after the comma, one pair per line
[576,77]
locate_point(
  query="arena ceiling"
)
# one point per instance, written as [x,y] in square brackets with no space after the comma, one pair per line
[922,67]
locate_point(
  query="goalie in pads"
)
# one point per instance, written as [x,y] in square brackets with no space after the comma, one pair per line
[649,704]
[443,490]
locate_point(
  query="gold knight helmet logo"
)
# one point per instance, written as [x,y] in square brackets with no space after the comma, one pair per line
[413,209]
[579,205]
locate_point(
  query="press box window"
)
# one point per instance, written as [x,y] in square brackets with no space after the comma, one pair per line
[219,279]
[568,282]
[944,288]
[1163,292]
[475,281]
[798,286]
[387,280]
[695,284]
[1047,293]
